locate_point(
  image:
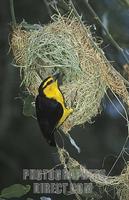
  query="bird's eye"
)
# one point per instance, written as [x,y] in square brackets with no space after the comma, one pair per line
[47,82]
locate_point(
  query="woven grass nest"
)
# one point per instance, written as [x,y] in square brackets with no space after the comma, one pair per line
[64,46]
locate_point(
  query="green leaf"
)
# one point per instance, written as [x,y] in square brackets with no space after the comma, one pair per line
[28,107]
[15,191]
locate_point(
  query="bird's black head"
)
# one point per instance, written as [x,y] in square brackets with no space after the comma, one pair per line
[44,84]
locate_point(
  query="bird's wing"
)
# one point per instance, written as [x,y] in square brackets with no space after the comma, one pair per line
[48,113]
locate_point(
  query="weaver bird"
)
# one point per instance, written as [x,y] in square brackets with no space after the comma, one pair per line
[51,110]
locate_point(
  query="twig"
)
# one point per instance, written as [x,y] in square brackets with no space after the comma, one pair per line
[106,31]
[93,43]
[125,1]
[63,5]
[127,138]
[48,8]
[13,12]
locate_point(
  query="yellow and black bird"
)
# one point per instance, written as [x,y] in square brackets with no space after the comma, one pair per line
[50,108]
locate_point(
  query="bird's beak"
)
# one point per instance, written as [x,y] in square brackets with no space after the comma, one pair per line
[58,78]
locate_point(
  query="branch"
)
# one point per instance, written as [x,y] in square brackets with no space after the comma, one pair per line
[106,31]
[88,33]
[13,13]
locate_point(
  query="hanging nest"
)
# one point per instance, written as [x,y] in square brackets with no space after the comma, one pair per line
[119,184]
[64,46]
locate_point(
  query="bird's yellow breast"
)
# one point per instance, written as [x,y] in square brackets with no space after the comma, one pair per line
[52,91]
